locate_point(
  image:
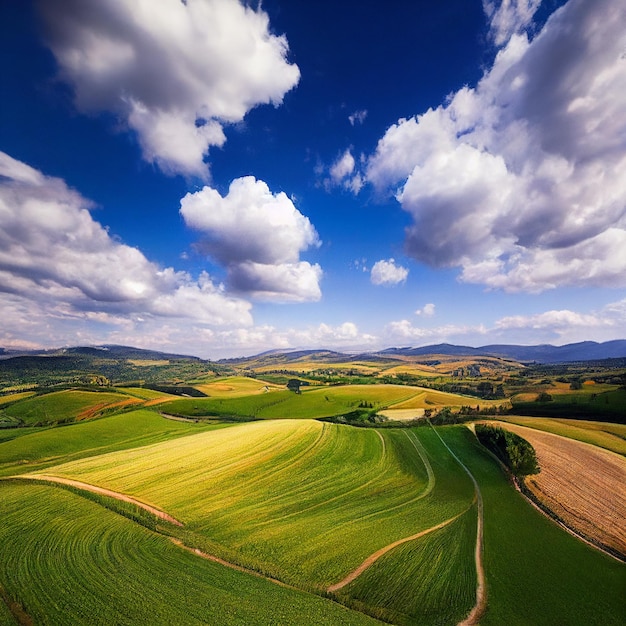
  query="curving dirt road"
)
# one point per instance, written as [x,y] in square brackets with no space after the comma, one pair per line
[105,492]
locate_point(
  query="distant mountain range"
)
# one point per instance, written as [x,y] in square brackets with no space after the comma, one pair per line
[545,353]
[583,351]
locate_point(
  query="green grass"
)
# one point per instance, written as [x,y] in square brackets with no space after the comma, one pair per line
[62,406]
[305,501]
[37,449]
[311,403]
[603,434]
[536,573]
[429,581]
[66,560]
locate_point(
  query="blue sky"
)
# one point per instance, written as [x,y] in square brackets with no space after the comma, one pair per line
[221,179]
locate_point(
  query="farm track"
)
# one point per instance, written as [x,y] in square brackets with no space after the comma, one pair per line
[374,557]
[104,492]
[481,589]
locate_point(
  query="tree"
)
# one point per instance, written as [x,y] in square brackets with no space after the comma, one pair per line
[293,384]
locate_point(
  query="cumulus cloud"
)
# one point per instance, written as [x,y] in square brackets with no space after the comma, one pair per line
[428,310]
[176,72]
[519,180]
[54,253]
[258,236]
[386,272]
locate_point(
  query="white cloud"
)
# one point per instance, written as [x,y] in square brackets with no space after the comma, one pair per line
[258,236]
[176,72]
[343,167]
[386,272]
[54,254]
[401,331]
[508,17]
[566,326]
[358,117]
[519,181]
[428,310]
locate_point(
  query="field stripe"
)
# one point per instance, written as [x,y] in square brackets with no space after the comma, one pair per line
[481,589]
[105,492]
[419,448]
[370,560]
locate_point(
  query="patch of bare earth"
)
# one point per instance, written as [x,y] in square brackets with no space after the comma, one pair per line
[585,486]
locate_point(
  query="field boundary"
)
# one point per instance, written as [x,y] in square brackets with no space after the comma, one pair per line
[104,492]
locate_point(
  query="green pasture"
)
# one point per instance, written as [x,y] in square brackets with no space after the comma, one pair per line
[603,434]
[535,572]
[61,406]
[68,561]
[305,501]
[36,449]
[314,402]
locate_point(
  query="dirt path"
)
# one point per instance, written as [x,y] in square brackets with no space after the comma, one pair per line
[370,560]
[239,568]
[481,589]
[105,492]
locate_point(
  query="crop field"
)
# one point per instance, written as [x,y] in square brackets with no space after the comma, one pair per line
[313,402]
[36,448]
[584,485]
[430,398]
[536,573]
[254,492]
[64,406]
[236,386]
[602,434]
[14,397]
[361,523]
[66,560]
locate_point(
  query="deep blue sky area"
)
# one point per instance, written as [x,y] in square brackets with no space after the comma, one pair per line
[224,179]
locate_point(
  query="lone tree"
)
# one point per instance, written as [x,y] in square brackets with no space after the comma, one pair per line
[293,384]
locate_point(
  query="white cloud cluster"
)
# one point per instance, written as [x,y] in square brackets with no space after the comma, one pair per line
[54,255]
[258,236]
[428,310]
[519,181]
[175,71]
[386,272]
[508,17]
[342,172]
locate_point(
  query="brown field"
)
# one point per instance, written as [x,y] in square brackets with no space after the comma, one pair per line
[582,484]
[97,409]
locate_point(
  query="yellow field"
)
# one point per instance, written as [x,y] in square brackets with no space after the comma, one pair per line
[148,362]
[236,386]
[583,484]
[432,399]
[13,397]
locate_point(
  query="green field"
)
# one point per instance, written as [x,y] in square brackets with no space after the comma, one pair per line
[303,501]
[312,403]
[252,493]
[63,407]
[66,560]
[36,449]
